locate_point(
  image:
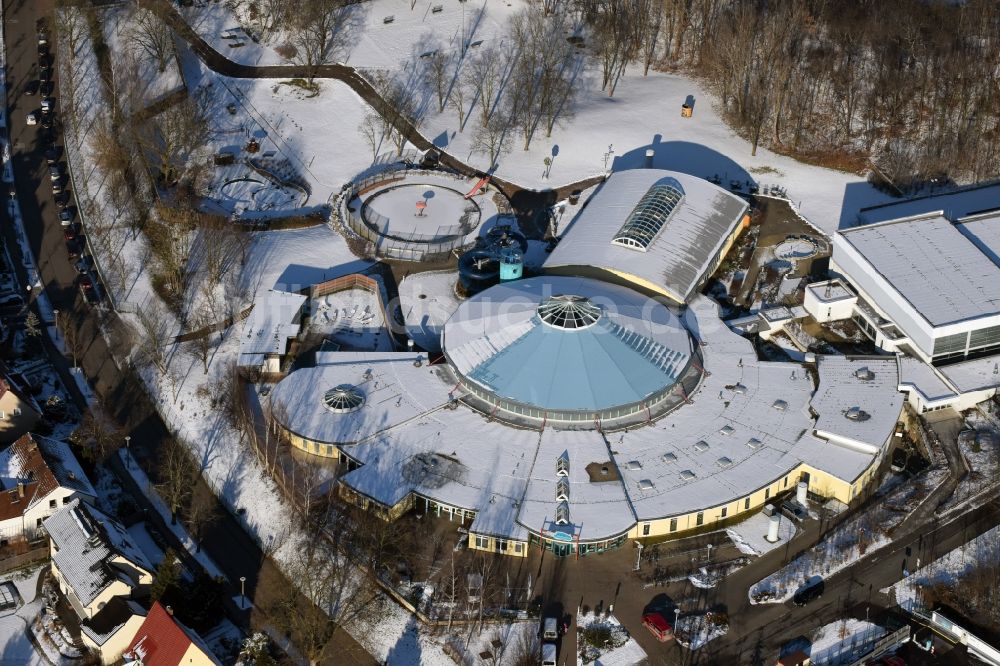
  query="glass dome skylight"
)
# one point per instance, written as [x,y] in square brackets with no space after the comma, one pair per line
[343,399]
[568,312]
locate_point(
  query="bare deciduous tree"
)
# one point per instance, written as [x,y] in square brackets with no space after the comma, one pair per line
[175,136]
[492,139]
[152,38]
[319,32]
[178,474]
[155,333]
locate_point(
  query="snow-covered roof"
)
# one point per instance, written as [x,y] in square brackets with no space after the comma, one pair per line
[749,424]
[857,401]
[957,203]
[984,232]
[923,378]
[33,467]
[427,301]
[395,387]
[931,264]
[567,344]
[675,251]
[975,375]
[86,542]
[273,321]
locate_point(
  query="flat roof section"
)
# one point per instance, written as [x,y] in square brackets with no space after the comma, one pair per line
[677,255]
[976,375]
[931,264]
[984,232]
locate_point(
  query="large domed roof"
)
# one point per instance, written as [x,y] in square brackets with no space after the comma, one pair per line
[564,348]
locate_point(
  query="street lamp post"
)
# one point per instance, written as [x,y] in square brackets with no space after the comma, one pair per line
[638,558]
[128,452]
[243,581]
[709,552]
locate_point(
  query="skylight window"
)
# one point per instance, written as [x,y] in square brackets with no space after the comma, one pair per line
[650,215]
[669,456]
[343,399]
[568,312]
[701,446]
[754,443]
[687,475]
[562,513]
[645,484]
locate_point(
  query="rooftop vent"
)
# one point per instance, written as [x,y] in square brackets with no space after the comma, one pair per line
[754,443]
[727,430]
[568,312]
[740,388]
[343,399]
[633,465]
[780,405]
[701,446]
[864,374]
[687,475]
[724,462]
[562,465]
[645,484]
[857,414]
[669,456]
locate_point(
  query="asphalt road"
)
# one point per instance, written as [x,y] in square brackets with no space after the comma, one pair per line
[122,395]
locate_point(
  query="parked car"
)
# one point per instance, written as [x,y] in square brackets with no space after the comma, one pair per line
[71,231]
[48,104]
[47,120]
[57,187]
[86,282]
[55,171]
[550,629]
[43,47]
[811,590]
[75,248]
[45,61]
[52,154]
[31,87]
[658,626]
[66,215]
[46,88]
[548,654]
[44,74]
[32,119]
[84,264]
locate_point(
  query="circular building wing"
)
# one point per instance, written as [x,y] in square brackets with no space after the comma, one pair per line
[570,349]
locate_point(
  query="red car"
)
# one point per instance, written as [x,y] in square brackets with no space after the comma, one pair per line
[658,626]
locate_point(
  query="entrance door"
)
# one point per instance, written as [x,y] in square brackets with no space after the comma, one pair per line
[560,549]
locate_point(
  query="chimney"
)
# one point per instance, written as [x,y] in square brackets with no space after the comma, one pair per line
[20,489]
[170,610]
[650,153]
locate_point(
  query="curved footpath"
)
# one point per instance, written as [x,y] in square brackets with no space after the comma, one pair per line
[220,64]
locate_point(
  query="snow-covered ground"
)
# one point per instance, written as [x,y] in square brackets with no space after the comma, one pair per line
[949,567]
[842,641]
[130,62]
[621,649]
[427,300]
[15,646]
[696,630]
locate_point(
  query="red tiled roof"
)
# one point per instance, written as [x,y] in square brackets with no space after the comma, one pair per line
[37,479]
[160,640]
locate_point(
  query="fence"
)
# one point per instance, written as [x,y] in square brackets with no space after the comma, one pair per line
[396,247]
[359,281]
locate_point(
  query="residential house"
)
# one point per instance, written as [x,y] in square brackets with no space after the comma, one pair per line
[38,476]
[18,410]
[164,641]
[94,559]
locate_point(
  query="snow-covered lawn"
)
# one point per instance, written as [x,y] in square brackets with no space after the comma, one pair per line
[949,567]
[839,641]
[619,649]
[695,630]
[15,646]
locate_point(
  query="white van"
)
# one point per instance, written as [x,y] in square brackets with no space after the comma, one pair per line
[550,629]
[548,654]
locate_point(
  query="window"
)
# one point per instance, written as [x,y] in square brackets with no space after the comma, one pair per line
[518,548]
[950,344]
[38,523]
[725,510]
[786,482]
[65,500]
[673,524]
[482,542]
[700,519]
[767,493]
[984,337]
[329,449]
[645,529]
[52,504]
[501,545]
[746,504]
[650,215]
